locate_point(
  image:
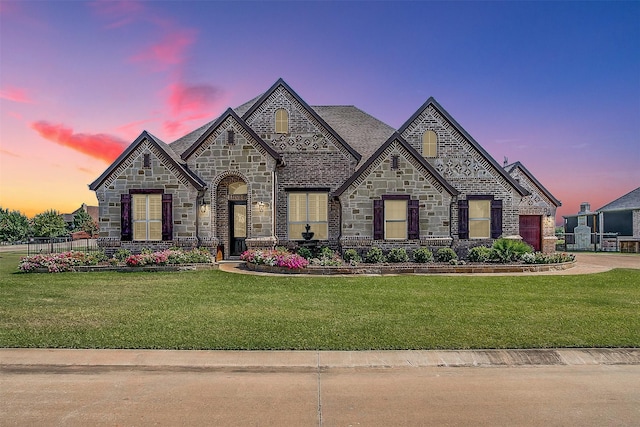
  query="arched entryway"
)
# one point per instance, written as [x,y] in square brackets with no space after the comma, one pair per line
[232,215]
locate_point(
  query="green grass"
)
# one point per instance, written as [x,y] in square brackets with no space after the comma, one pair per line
[217,310]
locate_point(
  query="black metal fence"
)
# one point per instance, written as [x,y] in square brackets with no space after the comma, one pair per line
[39,245]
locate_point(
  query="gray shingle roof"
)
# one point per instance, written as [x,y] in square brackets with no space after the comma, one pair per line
[361,131]
[629,201]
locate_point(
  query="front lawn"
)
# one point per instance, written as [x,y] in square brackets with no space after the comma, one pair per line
[217,310]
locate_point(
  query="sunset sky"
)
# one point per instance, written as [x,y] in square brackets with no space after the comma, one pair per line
[555,85]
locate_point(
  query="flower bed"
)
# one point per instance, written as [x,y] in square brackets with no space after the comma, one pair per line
[168,260]
[396,262]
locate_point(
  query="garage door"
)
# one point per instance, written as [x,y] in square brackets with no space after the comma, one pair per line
[531,230]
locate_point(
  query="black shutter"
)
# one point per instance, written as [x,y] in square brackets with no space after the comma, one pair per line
[378,219]
[125,217]
[167,217]
[463,219]
[496,219]
[414,219]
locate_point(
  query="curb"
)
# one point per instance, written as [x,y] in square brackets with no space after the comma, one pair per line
[74,359]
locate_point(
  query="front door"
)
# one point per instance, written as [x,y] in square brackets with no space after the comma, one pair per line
[237,227]
[531,230]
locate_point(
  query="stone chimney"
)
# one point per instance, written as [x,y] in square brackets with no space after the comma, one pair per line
[585,207]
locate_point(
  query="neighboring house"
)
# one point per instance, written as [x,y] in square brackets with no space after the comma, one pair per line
[93,212]
[537,211]
[260,173]
[616,225]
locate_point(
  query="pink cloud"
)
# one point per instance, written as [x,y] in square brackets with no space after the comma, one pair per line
[100,146]
[174,127]
[192,98]
[10,153]
[16,94]
[168,51]
[133,129]
[119,13]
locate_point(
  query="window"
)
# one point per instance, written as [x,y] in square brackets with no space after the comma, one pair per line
[479,217]
[237,188]
[282,121]
[146,161]
[395,162]
[231,137]
[146,215]
[429,144]
[308,208]
[396,217]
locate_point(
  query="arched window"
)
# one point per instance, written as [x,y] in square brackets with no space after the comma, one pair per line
[429,144]
[282,121]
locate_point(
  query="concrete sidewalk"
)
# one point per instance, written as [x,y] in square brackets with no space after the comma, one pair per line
[555,387]
[22,359]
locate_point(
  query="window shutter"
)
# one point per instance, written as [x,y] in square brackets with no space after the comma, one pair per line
[378,219]
[125,217]
[463,219]
[167,217]
[496,219]
[414,219]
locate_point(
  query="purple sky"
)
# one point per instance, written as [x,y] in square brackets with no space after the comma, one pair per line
[555,85]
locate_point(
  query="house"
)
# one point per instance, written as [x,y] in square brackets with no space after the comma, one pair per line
[537,211]
[260,174]
[93,212]
[615,226]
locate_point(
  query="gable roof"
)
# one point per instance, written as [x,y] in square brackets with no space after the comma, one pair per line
[281,83]
[229,113]
[164,148]
[517,165]
[432,102]
[629,201]
[396,137]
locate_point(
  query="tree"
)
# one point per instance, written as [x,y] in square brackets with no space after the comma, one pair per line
[14,226]
[49,224]
[82,221]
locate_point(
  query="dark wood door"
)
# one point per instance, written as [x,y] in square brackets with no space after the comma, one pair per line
[237,227]
[531,230]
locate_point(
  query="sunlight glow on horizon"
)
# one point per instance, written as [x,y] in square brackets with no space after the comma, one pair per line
[519,77]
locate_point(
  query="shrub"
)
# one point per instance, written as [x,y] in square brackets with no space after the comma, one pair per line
[480,254]
[446,255]
[305,253]
[327,257]
[351,256]
[122,254]
[540,258]
[276,257]
[56,263]
[398,255]
[509,250]
[423,255]
[374,256]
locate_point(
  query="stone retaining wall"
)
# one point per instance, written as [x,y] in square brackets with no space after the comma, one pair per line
[414,269]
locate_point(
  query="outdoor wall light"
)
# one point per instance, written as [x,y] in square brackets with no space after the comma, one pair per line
[261,206]
[203,206]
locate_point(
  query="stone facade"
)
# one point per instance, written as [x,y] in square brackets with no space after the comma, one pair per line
[467,167]
[387,176]
[538,203]
[356,167]
[636,223]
